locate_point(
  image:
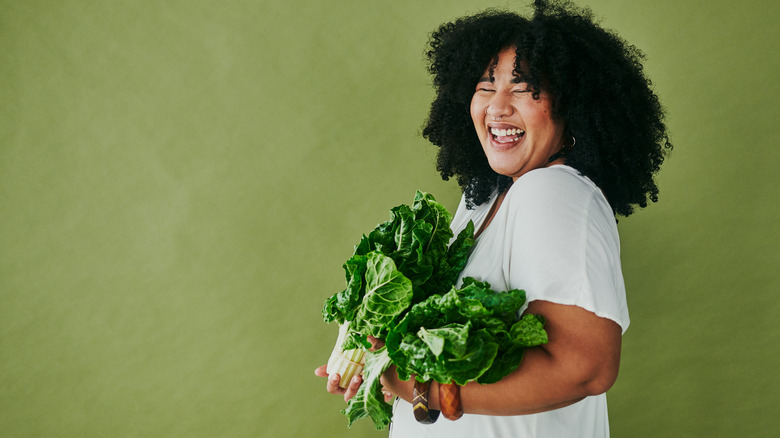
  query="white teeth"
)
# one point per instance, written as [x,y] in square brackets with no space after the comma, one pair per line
[505,132]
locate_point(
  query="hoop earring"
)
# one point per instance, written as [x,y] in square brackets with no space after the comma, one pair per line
[566,148]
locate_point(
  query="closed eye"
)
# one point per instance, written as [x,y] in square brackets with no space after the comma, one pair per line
[521,87]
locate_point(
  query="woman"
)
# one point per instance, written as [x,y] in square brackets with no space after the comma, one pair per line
[551,129]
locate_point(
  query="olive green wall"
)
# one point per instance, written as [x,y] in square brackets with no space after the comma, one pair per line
[180,182]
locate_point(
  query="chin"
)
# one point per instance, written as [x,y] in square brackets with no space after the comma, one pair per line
[506,170]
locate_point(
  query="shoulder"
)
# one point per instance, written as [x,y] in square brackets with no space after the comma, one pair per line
[556,203]
[553,188]
[553,180]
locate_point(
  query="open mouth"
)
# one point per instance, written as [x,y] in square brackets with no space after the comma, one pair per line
[506,135]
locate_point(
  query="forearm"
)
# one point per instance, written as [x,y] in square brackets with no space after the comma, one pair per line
[581,358]
[525,391]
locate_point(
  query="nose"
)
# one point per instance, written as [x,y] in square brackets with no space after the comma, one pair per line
[499,106]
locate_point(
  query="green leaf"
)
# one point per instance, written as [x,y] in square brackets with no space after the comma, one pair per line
[369,400]
[505,362]
[453,337]
[431,212]
[343,305]
[356,340]
[388,294]
[458,252]
[529,331]
[466,334]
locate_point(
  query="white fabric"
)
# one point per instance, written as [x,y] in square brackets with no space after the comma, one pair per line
[554,236]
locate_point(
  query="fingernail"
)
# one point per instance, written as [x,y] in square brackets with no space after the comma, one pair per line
[355,379]
[333,377]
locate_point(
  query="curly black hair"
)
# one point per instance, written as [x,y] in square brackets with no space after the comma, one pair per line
[598,89]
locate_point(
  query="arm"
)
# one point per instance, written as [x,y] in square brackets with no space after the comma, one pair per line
[581,358]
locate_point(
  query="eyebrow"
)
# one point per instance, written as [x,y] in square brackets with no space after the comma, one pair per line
[515,80]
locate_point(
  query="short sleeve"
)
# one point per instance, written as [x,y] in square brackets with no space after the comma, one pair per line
[562,243]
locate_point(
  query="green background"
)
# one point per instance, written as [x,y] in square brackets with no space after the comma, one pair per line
[181,181]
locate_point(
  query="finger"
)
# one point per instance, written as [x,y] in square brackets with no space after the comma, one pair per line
[353,387]
[376,344]
[321,371]
[333,384]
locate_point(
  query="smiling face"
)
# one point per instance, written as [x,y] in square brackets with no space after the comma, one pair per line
[517,132]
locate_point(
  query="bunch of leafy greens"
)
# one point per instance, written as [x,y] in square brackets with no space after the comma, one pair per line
[401,262]
[468,334]
[471,333]
[400,287]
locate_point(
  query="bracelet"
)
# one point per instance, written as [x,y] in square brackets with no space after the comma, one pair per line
[449,401]
[420,403]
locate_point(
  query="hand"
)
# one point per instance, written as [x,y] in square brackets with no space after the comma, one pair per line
[376,344]
[333,383]
[333,380]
